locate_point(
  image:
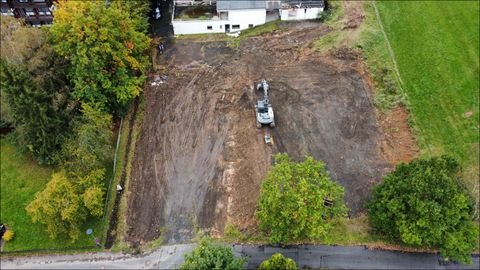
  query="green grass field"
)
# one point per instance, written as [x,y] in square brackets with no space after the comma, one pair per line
[21,177]
[436,45]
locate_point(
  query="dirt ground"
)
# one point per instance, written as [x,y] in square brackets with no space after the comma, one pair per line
[200,159]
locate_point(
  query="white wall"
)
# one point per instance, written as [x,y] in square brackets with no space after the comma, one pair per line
[242,18]
[198,27]
[300,13]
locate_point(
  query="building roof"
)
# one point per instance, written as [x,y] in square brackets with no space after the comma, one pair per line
[304,3]
[241,4]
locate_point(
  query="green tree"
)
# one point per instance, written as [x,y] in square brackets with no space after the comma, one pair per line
[40,108]
[66,203]
[91,188]
[34,91]
[107,50]
[59,207]
[295,200]
[278,262]
[83,159]
[208,256]
[423,204]
[90,147]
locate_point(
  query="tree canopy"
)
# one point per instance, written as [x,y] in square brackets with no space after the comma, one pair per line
[106,47]
[208,256]
[278,262]
[34,91]
[297,200]
[423,204]
[82,180]
[59,207]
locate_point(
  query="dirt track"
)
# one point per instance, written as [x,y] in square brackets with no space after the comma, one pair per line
[200,159]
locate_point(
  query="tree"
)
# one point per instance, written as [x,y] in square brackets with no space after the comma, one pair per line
[82,180]
[66,203]
[35,93]
[208,256]
[297,200]
[107,50]
[41,110]
[278,262]
[59,207]
[90,147]
[423,204]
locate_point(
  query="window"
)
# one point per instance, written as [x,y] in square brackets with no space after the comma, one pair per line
[29,12]
[223,15]
[221,26]
[235,26]
[209,27]
[23,1]
[6,12]
[250,25]
[43,11]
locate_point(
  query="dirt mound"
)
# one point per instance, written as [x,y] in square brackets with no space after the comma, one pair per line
[200,159]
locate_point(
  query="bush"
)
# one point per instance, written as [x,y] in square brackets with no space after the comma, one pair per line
[298,200]
[212,256]
[423,204]
[277,262]
[8,235]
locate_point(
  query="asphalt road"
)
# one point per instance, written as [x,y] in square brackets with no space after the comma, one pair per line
[306,256]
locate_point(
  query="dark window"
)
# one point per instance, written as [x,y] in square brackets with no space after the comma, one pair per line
[250,25]
[236,26]
[29,11]
[44,11]
[209,27]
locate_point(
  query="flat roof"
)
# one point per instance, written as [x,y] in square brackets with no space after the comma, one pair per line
[241,4]
[305,3]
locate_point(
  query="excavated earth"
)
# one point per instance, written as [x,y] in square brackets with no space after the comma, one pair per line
[200,159]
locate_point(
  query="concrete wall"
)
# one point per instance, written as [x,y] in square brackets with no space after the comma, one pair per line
[240,18]
[198,27]
[245,17]
[300,13]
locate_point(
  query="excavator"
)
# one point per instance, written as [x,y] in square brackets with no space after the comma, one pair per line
[263,107]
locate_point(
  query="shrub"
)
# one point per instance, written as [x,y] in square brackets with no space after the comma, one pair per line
[423,204]
[277,262]
[212,256]
[8,235]
[297,200]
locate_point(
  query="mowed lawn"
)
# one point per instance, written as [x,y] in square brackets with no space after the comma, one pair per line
[20,178]
[436,44]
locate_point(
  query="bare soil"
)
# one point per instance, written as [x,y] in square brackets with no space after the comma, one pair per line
[200,159]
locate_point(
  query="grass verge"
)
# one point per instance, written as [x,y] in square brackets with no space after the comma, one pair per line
[126,164]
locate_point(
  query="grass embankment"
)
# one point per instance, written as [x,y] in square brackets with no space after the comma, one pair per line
[131,126]
[436,45]
[21,178]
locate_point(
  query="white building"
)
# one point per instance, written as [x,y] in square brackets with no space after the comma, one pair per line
[301,10]
[223,16]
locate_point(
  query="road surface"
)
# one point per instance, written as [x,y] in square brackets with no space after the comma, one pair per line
[306,256]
